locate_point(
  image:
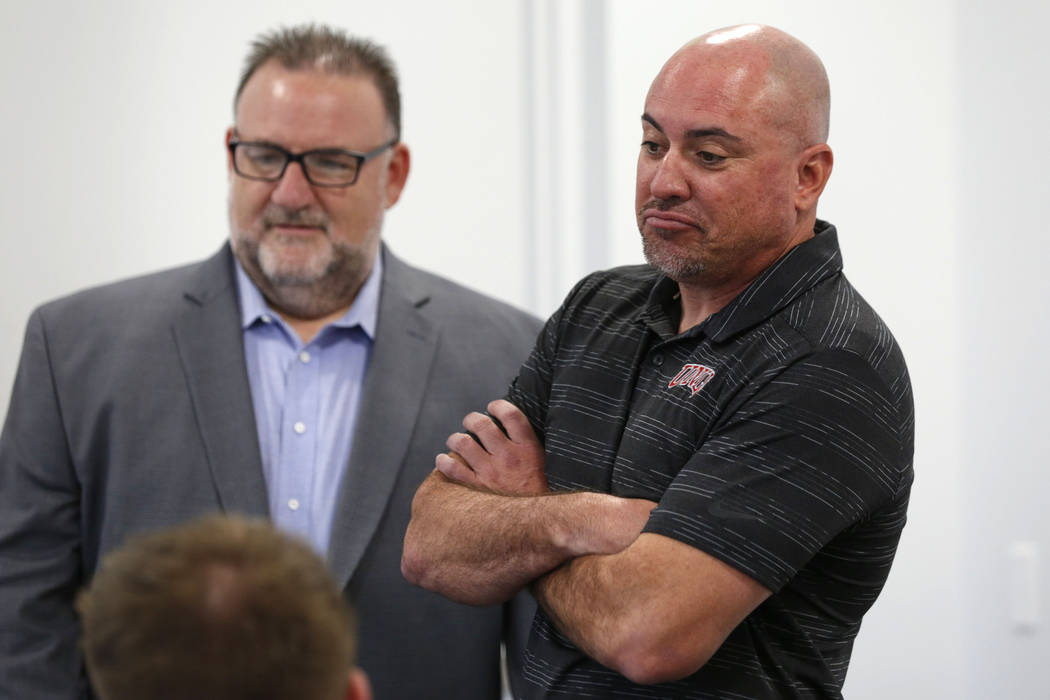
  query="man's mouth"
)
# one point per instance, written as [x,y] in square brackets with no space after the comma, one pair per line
[668,220]
[288,229]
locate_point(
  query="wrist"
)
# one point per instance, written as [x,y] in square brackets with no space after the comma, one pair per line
[584,523]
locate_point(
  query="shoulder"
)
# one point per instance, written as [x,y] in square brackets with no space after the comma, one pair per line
[848,347]
[626,281]
[838,320]
[605,295]
[141,300]
[455,306]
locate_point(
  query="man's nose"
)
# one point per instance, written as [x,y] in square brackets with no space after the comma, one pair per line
[293,190]
[669,181]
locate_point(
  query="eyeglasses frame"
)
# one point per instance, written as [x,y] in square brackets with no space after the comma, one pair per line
[290,158]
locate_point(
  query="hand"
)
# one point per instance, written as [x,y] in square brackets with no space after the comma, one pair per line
[508,463]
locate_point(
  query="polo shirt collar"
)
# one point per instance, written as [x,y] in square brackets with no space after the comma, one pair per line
[363,312]
[801,269]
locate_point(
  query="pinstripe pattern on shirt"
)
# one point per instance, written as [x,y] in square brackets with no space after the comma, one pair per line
[792,463]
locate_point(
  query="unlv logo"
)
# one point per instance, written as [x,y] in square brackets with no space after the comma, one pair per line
[692,376]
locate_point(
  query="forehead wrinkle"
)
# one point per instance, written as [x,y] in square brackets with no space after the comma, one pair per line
[707,108]
[305,109]
[711,131]
[711,79]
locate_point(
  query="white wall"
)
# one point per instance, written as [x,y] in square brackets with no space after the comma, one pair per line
[115,112]
[1003,194]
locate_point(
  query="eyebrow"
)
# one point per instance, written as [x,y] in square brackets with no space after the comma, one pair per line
[695,133]
[274,144]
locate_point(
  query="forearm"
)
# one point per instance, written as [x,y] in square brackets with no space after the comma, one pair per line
[481,548]
[582,600]
[654,612]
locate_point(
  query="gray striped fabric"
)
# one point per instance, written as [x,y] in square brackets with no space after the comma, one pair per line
[776,436]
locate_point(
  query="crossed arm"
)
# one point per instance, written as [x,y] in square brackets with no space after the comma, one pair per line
[484,525]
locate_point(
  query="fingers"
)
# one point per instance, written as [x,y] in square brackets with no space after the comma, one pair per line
[468,447]
[484,436]
[498,424]
[485,430]
[514,422]
[453,467]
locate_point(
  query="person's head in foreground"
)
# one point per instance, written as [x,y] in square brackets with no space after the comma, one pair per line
[222,608]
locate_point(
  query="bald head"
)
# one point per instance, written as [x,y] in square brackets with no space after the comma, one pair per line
[733,159]
[777,75]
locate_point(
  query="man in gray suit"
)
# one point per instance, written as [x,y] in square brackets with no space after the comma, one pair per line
[302,373]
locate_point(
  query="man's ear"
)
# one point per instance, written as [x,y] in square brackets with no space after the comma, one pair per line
[358,687]
[814,169]
[229,156]
[397,173]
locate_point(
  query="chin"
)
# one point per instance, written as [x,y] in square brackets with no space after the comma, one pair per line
[672,263]
[282,264]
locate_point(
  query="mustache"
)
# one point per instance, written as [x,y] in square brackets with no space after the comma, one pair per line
[660,205]
[672,209]
[276,215]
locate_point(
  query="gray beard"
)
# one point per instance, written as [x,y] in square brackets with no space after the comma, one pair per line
[305,294]
[677,267]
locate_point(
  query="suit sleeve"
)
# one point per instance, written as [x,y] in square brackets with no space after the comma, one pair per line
[40,543]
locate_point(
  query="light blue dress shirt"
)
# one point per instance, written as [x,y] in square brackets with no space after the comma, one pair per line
[306,398]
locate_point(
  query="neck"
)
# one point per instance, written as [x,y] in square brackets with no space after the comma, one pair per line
[702,298]
[308,328]
[699,303]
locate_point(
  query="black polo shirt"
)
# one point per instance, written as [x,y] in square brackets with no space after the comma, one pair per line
[776,436]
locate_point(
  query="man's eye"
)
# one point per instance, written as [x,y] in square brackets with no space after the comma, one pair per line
[331,163]
[266,159]
[709,158]
[651,147]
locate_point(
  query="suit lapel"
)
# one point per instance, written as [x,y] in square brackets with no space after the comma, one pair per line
[211,347]
[390,402]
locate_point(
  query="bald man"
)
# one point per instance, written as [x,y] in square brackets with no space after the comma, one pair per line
[702,471]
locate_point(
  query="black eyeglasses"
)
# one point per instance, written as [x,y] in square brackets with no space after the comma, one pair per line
[323,167]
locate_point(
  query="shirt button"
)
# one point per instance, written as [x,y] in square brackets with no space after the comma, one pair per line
[304,357]
[658,360]
[293,503]
[299,427]
[266,318]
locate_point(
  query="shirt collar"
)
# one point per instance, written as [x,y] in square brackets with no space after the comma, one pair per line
[363,312]
[798,271]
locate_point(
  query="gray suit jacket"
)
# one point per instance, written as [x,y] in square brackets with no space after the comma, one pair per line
[131,410]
